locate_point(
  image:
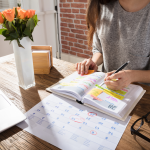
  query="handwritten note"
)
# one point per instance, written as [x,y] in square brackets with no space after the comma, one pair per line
[71,126]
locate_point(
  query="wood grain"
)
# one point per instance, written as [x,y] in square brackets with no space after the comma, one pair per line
[16,138]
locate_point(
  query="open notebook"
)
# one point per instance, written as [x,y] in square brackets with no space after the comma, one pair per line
[86,90]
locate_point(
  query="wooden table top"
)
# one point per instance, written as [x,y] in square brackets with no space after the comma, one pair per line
[16,138]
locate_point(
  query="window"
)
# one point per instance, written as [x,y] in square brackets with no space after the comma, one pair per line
[5,4]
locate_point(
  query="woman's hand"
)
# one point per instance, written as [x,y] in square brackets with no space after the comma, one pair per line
[85,65]
[118,80]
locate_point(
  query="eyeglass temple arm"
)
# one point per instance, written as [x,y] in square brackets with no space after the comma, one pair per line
[142,136]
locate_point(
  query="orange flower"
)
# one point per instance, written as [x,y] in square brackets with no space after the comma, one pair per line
[18,8]
[9,14]
[32,13]
[21,13]
[29,13]
[1,18]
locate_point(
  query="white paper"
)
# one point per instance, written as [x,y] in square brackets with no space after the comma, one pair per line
[71,126]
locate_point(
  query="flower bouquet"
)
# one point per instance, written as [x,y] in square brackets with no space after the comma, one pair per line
[17,27]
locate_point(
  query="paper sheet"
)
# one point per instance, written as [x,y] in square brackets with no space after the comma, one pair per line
[72,126]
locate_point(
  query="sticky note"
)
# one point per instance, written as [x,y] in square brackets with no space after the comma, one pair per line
[95,92]
[90,72]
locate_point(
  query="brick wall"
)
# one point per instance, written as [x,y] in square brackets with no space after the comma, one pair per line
[73,28]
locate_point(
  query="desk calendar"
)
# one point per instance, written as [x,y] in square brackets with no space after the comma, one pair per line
[71,126]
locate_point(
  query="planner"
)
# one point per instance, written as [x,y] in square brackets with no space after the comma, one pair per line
[86,90]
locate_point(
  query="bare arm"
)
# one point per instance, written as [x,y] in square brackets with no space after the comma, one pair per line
[97,58]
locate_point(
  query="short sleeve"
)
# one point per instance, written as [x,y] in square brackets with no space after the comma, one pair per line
[96,44]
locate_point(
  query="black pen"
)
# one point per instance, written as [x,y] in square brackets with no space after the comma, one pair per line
[119,69]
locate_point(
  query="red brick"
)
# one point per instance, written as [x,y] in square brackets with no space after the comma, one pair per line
[88,52]
[75,5]
[84,37]
[83,22]
[66,20]
[69,0]
[65,10]
[83,27]
[85,42]
[65,29]
[62,37]
[80,41]
[71,35]
[71,44]
[86,32]
[77,49]
[66,5]
[60,5]
[83,11]
[85,5]
[85,1]
[80,46]
[77,31]
[81,16]
[71,25]
[83,55]
[65,51]
[61,1]
[66,47]
[72,53]
[64,24]
[75,10]
[70,39]
[64,33]
[61,15]
[64,42]
[77,21]
[69,15]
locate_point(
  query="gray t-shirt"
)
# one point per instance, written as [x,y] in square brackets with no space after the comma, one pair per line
[123,36]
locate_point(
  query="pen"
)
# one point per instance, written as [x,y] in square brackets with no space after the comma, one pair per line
[119,69]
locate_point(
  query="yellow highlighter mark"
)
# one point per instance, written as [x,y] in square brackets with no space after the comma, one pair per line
[119,94]
[113,94]
[67,84]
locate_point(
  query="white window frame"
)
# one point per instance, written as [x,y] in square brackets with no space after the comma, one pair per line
[11,5]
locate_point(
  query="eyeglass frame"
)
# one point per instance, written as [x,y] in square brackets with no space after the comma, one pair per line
[133,131]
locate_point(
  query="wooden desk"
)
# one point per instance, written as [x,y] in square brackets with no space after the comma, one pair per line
[15,138]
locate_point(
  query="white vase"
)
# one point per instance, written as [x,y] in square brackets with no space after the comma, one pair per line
[24,63]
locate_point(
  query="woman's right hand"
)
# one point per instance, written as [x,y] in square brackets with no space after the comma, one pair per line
[85,65]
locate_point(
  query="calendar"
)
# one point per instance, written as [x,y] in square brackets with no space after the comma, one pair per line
[72,126]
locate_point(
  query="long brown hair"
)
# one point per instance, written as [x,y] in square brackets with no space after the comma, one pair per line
[92,14]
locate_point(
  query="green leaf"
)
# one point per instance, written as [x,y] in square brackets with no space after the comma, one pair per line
[27,32]
[16,13]
[14,35]
[1,30]
[35,18]
[19,43]
[8,38]
[10,24]
[30,24]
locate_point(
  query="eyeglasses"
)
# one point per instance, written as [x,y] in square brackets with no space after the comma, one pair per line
[137,125]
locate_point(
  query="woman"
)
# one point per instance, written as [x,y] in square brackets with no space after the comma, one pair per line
[119,31]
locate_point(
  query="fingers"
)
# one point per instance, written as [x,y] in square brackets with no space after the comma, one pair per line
[114,85]
[82,71]
[118,75]
[108,74]
[88,62]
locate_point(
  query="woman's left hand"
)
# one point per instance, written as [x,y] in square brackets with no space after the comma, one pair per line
[118,80]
